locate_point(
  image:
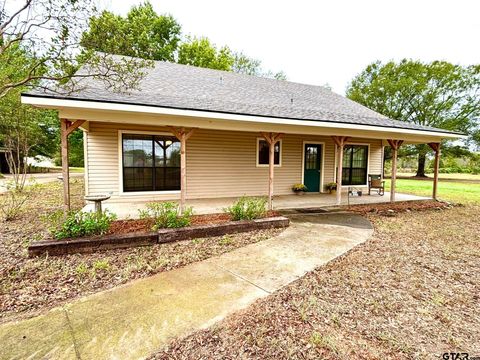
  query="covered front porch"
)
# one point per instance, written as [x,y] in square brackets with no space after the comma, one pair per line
[130,209]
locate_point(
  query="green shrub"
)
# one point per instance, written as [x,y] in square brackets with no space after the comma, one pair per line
[166,215]
[248,208]
[78,223]
[101,265]
[13,202]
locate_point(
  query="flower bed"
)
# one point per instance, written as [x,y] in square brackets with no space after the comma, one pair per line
[133,233]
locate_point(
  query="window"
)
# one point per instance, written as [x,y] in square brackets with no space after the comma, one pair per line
[150,163]
[263,153]
[355,158]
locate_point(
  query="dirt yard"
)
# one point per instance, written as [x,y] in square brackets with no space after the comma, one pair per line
[411,292]
[28,286]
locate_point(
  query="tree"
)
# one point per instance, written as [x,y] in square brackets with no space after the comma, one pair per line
[49,31]
[202,53]
[21,134]
[437,94]
[243,64]
[142,33]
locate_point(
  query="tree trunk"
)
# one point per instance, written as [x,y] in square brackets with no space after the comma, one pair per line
[422,158]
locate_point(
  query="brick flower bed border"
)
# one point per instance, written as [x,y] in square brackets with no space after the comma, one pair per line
[98,243]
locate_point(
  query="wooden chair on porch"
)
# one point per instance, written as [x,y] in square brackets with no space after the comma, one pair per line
[376,182]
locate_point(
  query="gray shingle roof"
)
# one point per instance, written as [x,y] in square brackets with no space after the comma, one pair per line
[187,87]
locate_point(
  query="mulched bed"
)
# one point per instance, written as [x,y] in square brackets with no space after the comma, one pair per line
[399,207]
[410,292]
[31,285]
[142,225]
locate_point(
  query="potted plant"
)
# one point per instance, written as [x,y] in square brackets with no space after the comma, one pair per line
[299,189]
[331,187]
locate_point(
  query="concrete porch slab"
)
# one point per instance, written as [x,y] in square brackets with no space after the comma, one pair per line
[130,210]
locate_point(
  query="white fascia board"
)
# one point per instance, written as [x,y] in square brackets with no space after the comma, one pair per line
[98,105]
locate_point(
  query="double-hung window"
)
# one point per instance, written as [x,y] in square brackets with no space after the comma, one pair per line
[150,162]
[354,166]
[263,153]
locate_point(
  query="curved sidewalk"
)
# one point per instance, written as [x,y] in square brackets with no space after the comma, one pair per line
[133,320]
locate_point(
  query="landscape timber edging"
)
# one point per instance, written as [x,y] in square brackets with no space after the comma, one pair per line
[231,227]
[89,245]
[118,241]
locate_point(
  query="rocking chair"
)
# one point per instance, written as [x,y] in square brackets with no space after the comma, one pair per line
[375,182]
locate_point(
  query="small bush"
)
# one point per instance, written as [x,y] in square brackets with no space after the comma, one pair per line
[248,208]
[78,223]
[13,202]
[166,215]
[101,265]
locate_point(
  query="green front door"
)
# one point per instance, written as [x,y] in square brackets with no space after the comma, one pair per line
[312,167]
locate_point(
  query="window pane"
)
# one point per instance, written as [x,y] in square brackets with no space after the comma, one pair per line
[167,151]
[137,150]
[137,179]
[263,153]
[167,178]
[311,158]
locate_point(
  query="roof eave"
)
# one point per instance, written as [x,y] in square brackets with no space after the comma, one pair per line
[53,102]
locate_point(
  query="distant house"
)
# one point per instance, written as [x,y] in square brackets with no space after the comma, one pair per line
[133,142]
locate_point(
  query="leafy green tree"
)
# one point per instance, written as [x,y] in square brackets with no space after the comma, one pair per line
[202,53]
[437,94]
[142,33]
[145,34]
[50,31]
[243,64]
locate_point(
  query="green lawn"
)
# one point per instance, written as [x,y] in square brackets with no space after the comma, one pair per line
[455,176]
[451,191]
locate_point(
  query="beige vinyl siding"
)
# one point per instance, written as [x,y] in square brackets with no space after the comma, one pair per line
[219,163]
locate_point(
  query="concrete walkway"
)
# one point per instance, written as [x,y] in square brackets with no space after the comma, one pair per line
[132,321]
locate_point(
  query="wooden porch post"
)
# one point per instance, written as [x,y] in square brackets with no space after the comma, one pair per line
[436,148]
[182,135]
[66,128]
[395,145]
[339,144]
[271,139]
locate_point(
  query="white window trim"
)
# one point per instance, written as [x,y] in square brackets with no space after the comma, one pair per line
[120,165]
[322,166]
[258,148]
[368,164]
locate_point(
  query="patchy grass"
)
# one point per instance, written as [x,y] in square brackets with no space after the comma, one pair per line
[410,292]
[461,192]
[28,285]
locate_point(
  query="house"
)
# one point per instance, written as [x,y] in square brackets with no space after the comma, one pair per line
[194,133]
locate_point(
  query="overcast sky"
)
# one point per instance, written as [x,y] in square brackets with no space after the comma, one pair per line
[318,42]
